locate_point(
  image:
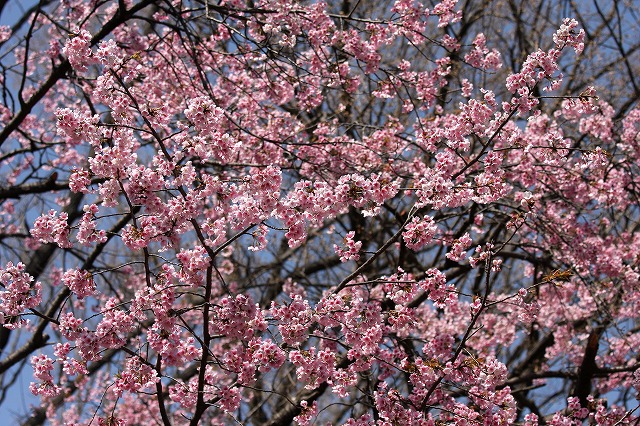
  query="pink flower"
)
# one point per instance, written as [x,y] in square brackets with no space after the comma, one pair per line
[87,232]
[205,116]
[77,126]
[446,14]
[79,180]
[18,295]
[80,282]
[136,377]
[78,51]
[267,355]
[481,57]
[351,250]
[419,232]
[42,366]
[459,247]
[238,318]
[229,398]
[5,33]
[52,229]
[567,35]
[294,319]
[307,413]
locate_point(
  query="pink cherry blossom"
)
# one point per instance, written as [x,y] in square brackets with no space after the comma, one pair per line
[305,212]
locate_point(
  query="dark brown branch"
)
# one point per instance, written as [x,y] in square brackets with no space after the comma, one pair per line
[47,185]
[588,368]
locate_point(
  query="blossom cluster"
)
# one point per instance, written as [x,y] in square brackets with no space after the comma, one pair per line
[19,294]
[372,176]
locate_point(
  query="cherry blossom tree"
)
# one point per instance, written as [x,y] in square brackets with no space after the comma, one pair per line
[282,212]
